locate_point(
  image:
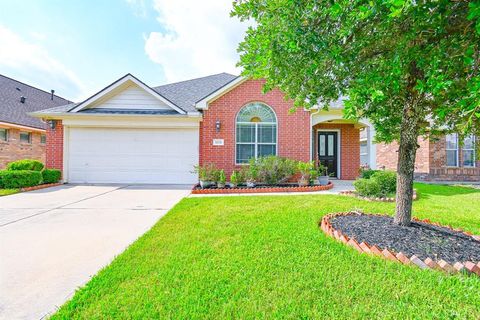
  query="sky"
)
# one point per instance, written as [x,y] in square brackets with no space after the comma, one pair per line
[77,47]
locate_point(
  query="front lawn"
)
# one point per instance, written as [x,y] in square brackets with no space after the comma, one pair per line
[6,192]
[265,257]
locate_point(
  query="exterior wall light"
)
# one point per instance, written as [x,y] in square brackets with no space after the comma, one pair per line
[52,124]
[218,125]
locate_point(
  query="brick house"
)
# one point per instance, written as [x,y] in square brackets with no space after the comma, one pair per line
[23,136]
[132,133]
[442,159]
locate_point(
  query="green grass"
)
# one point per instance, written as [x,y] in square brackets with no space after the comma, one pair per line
[6,192]
[265,257]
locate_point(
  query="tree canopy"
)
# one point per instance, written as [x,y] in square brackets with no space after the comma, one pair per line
[377,55]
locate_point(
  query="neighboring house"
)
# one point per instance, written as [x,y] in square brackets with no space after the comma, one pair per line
[444,159]
[132,133]
[22,136]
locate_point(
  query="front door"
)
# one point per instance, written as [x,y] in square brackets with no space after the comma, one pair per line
[328,151]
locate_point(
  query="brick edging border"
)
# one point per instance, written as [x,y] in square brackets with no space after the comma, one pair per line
[262,190]
[363,247]
[40,186]
[353,193]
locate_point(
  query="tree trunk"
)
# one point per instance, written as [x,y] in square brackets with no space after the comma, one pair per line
[406,166]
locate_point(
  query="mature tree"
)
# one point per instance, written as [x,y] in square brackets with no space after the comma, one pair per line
[411,67]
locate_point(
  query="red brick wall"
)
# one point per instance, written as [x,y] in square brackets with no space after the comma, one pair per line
[13,149]
[293,128]
[54,152]
[387,156]
[349,148]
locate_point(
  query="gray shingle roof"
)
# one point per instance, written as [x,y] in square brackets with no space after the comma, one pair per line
[185,93]
[13,111]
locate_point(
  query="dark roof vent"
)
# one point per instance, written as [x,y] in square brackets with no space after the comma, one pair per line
[53,92]
[18,89]
[22,99]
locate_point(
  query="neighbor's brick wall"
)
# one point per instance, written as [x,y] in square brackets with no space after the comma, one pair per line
[13,149]
[440,171]
[387,156]
[293,129]
[349,148]
[54,152]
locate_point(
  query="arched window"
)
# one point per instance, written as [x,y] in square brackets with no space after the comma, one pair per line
[256,129]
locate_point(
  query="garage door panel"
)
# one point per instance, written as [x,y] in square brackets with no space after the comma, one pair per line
[132,155]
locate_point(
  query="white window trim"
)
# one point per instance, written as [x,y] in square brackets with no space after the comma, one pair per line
[43,135]
[457,152]
[474,138]
[256,143]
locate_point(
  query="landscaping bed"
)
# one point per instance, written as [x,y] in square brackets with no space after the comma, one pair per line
[261,189]
[425,244]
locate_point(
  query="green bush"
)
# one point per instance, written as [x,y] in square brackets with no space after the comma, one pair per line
[25,164]
[12,179]
[51,175]
[272,170]
[387,182]
[367,173]
[367,187]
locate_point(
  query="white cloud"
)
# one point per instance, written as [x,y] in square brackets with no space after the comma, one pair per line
[32,63]
[200,38]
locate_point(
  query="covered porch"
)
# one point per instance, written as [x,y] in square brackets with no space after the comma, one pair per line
[342,145]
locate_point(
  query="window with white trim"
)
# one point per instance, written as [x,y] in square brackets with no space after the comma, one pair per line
[468,151]
[452,149]
[43,138]
[3,134]
[256,132]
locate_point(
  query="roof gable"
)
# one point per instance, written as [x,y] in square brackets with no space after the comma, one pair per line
[127,93]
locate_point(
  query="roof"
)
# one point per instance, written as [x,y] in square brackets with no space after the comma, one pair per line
[186,93]
[183,94]
[15,112]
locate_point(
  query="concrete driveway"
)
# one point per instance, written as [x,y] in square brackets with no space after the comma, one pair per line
[54,240]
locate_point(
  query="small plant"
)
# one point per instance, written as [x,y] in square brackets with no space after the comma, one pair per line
[307,172]
[234,177]
[322,172]
[26,164]
[221,179]
[251,175]
[207,174]
[379,184]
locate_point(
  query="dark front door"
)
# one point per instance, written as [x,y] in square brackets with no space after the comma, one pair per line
[328,151]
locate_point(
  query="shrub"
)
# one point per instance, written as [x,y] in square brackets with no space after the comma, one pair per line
[386,180]
[272,169]
[51,175]
[367,173]
[25,164]
[12,179]
[221,177]
[207,172]
[367,187]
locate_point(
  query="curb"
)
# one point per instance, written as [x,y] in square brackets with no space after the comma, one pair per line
[467,267]
[40,186]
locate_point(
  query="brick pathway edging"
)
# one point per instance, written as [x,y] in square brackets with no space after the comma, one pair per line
[40,186]
[262,190]
[363,247]
[356,195]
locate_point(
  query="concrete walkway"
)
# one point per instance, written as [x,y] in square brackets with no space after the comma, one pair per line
[53,240]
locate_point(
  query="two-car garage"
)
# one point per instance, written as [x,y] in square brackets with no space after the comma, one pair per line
[131,155]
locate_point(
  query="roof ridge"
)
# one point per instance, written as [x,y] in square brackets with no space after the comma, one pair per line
[29,85]
[197,78]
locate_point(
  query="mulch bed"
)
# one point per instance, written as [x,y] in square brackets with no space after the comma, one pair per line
[261,189]
[425,244]
[40,186]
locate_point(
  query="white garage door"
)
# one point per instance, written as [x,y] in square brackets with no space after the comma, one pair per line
[107,155]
